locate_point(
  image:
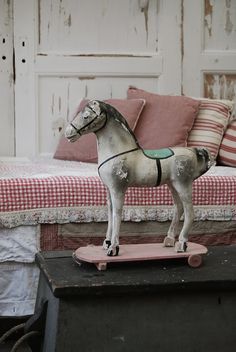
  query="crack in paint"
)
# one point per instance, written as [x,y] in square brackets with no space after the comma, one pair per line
[144,5]
[228,24]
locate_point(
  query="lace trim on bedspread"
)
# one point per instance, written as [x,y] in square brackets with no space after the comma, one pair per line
[99,214]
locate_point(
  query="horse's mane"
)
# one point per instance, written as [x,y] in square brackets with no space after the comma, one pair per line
[115,114]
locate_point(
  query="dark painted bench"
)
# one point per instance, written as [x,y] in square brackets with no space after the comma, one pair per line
[148,306]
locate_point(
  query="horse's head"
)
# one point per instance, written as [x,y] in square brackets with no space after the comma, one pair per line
[91,119]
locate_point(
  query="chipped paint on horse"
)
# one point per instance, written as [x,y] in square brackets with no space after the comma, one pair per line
[123,163]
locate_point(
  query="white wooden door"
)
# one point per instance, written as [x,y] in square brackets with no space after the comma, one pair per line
[209,61]
[7,128]
[67,50]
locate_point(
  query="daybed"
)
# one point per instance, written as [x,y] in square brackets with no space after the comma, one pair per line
[50,204]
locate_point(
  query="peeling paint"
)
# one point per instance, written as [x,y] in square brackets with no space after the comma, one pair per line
[208,16]
[121,171]
[48,27]
[107,55]
[144,5]
[85,78]
[39,21]
[67,22]
[59,104]
[58,126]
[52,104]
[61,8]
[220,86]
[228,3]
[228,24]
[67,102]
[85,91]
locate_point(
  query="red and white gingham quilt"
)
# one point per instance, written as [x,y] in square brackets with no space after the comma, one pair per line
[23,190]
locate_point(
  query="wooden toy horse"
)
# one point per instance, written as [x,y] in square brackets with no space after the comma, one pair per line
[123,163]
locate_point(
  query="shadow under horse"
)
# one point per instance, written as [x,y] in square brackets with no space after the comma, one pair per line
[123,163]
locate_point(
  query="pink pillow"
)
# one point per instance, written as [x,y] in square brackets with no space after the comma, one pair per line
[85,148]
[165,120]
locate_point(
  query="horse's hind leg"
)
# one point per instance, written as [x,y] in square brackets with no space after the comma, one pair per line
[169,240]
[107,241]
[185,194]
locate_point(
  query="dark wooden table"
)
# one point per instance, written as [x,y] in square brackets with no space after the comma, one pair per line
[147,306]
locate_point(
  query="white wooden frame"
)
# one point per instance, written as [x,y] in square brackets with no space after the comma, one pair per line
[159,66]
[197,59]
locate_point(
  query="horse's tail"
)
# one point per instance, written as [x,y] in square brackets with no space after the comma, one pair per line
[205,160]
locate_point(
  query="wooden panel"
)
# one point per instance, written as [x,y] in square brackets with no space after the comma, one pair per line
[124,27]
[7,142]
[209,55]
[220,25]
[88,48]
[220,86]
[59,96]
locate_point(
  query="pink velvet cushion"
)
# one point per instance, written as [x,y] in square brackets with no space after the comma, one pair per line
[85,148]
[165,120]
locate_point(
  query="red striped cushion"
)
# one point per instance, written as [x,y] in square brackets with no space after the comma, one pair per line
[210,124]
[227,152]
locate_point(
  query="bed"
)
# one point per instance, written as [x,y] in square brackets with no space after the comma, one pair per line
[49,204]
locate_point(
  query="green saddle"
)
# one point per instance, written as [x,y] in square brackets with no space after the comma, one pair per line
[163,153]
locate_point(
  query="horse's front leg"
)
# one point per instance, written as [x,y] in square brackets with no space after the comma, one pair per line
[107,241]
[185,194]
[117,200]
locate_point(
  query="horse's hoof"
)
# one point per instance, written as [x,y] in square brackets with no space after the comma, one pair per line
[106,244]
[181,247]
[113,252]
[169,242]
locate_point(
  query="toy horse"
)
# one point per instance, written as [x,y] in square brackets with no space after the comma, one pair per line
[123,163]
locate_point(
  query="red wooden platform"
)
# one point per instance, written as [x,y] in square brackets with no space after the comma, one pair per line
[139,252]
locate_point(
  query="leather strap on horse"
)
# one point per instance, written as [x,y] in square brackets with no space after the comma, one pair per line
[114,156]
[159,172]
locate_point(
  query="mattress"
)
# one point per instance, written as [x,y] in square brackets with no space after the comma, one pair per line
[55,191]
[46,192]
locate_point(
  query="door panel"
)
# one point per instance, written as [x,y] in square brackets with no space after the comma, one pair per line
[106,27]
[209,62]
[78,49]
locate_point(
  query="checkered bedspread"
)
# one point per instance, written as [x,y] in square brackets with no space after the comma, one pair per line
[29,188]
[22,194]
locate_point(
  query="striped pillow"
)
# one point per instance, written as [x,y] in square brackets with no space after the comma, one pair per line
[227,152]
[210,124]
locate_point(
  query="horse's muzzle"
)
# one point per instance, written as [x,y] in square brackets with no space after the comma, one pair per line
[71,134]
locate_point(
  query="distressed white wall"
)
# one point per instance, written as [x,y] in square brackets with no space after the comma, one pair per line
[88,49]
[66,50]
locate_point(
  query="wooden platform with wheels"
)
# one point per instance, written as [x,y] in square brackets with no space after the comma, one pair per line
[139,252]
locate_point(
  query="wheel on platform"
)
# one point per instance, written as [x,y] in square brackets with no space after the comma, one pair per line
[195,260]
